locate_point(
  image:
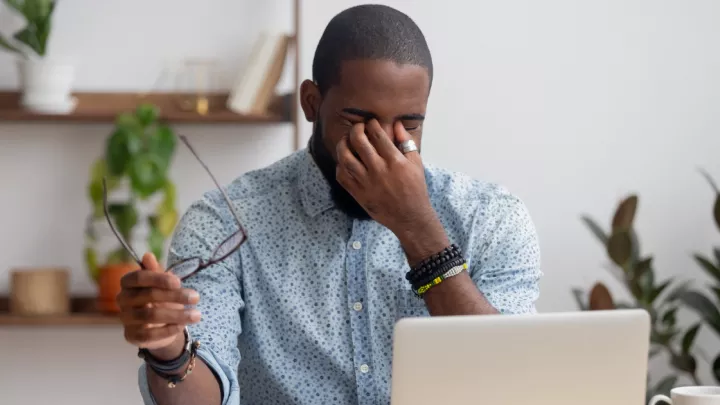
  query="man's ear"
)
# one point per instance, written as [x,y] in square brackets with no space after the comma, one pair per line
[310,100]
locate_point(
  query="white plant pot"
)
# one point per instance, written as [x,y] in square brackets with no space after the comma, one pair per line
[46,86]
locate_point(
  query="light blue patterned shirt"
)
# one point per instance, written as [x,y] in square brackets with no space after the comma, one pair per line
[304,313]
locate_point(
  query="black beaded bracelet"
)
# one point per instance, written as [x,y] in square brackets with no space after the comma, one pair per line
[430,264]
[438,271]
[168,366]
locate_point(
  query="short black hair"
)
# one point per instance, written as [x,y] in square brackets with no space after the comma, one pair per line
[369,31]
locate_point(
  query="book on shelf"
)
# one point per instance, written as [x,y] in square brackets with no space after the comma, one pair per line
[254,88]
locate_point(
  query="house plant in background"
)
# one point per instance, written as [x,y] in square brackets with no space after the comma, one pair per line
[137,159]
[661,298]
[709,308]
[46,85]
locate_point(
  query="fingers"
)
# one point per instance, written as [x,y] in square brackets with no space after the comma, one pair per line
[142,335]
[150,262]
[141,296]
[361,144]
[380,140]
[401,135]
[159,315]
[348,163]
[150,279]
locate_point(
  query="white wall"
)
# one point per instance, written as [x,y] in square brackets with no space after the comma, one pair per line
[569,104]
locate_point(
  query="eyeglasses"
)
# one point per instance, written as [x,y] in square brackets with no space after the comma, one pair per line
[187,267]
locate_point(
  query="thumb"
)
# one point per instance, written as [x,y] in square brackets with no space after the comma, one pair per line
[401,135]
[150,262]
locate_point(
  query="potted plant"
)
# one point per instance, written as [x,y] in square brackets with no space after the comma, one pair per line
[46,86]
[708,308]
[136,162]
[660,298]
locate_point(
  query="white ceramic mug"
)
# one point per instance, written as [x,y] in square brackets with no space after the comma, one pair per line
[689,396]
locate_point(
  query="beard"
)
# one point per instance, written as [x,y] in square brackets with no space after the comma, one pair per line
[343,200]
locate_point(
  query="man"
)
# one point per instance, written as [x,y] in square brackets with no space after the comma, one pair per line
[303,312]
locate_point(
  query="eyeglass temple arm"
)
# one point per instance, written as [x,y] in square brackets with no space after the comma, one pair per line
[222,191]
[112,227]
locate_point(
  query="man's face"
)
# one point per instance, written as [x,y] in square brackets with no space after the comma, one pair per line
[368,89]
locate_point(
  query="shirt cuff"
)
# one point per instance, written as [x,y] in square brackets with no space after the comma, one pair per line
[225,376]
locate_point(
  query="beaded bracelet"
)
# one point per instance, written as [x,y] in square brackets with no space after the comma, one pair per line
[172,379]
[450,273]
[430,265]
[437,272]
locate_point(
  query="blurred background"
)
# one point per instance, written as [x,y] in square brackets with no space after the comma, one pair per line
[573,106]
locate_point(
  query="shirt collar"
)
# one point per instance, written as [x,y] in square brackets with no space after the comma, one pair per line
[315,191]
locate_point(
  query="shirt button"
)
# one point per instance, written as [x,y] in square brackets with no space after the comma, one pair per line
[357,306]
[364,368]
[356,245]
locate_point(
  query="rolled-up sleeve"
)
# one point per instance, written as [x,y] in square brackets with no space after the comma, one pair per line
[504,257]
[201,230]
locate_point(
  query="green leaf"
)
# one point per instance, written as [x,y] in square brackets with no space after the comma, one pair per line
[167,214]
[35,10]
[43,33]
[166,221]
[4,43]
[634,247]
[170,197]
[689,338]
[124,217]
[655,293]
[91,262]
[716,252]
[619,247]
[29,36]
[146,174]
[716,368]
[665,385]
[704,308]
[716,211]
[625,214]
[595,229]
[156,240]
[677,292]
[716,290]
[710,180]
[684,362]
[708,266]
[662,338]
[98,171]
[117,151]
[147,114]
[670,317]
[642,266]
[643,287]
[161,142]
[128,122]
[579,295]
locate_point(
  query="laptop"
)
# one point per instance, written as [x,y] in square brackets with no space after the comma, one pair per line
[573,358]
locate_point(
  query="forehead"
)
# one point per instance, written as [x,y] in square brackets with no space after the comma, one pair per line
[382,87]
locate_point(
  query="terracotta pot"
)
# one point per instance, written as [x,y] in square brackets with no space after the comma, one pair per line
[109,284]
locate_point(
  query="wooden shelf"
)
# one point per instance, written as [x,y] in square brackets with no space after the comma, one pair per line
[83,312]
[104,107]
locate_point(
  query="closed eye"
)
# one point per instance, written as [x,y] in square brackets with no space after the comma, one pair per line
[412,126]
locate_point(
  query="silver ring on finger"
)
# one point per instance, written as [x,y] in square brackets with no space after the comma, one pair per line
[408,146]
